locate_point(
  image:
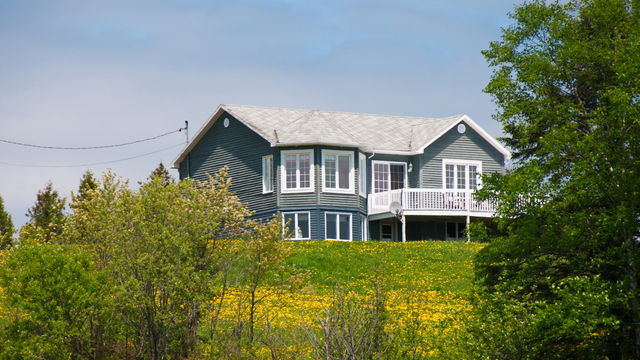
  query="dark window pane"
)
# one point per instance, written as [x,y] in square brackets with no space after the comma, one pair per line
[331,226]
[330,171]
[397,176]
[303,225]
[289,219]
[452,229]
[345,227]
[343,172]
[305,171]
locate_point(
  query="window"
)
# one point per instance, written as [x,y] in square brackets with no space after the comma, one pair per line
[297,171]
[297,224]
[389,175]
[386,232]
[362,174]
[461,174]
[338,172]
[455,230]
[267,174]
[337,226]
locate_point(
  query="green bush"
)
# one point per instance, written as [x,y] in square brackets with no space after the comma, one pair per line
[55,302]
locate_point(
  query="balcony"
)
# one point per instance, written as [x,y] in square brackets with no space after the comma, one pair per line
[436,202]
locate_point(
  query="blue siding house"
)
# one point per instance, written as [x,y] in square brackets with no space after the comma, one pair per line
[346,176]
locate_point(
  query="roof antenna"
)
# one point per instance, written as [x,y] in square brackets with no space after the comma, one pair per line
[186,130]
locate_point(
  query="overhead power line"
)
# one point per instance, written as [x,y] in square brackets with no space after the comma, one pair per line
[90,147]
[92,164]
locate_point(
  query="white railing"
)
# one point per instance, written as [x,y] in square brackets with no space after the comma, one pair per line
[429,200]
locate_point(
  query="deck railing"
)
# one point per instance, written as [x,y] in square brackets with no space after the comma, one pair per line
[429,200]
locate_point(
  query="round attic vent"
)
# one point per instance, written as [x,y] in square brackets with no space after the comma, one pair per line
[226,122]
[461,128]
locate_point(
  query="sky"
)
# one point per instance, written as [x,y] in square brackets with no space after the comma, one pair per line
[89,73]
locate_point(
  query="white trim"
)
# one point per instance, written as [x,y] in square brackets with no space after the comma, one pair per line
[373,175]
[328,152]
[364,228]
[485,135]
[283,171]
[338,225]
[445,162]
[295,223]
[362,174]
[265,173]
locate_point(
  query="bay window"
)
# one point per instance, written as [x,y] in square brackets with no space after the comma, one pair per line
[297,171]
[337,171]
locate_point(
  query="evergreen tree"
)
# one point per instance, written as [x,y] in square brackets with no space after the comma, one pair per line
[6,228]
[163,173]
[567,84]
[46,216]
[88,184]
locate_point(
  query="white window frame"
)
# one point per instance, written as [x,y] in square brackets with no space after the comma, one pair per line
[283,171]
[295,224]
[466,163]
[337,214]
[362,174]
[336,153]
[267,174]
[373,176]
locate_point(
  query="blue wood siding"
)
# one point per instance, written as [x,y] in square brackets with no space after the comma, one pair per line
[453,145]
[239,148]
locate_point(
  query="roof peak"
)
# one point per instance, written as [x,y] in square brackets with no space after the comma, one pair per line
[344,112]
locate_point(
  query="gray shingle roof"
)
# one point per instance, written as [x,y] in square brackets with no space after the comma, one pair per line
[370,133]
[366,131]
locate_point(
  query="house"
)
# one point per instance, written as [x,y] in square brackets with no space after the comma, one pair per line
[346,176]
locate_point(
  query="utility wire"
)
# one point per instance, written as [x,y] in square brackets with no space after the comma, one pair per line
[89,147]
[92,164]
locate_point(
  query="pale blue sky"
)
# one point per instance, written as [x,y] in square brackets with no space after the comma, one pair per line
[77,73]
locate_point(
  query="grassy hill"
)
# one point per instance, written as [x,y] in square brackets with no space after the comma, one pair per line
[420,266]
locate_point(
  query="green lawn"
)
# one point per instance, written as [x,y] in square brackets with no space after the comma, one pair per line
[422,266]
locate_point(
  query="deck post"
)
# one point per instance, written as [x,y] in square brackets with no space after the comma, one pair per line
[468,230]
[404,228]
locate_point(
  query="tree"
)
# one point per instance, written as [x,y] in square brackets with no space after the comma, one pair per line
[6,228]
[162,246]
[88,185]
[567,84]
[162,173]
[46,217]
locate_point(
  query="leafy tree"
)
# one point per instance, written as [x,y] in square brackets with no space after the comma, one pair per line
[88,185]
[162,245]
[163,173]
[55,302]
[567,84]
[46,217]
[6,228]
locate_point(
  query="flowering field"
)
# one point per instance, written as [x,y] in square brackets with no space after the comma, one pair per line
[426,287]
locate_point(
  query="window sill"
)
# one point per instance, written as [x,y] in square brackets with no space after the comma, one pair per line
[267,192]
[296,191]
[338,191]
